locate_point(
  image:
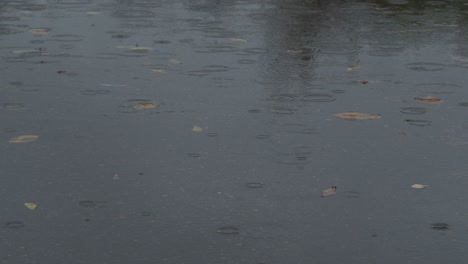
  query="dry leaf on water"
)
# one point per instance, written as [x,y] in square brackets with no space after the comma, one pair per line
[197,129]
[24,139]
[39,30]
[419,186]
[429,99]
[145,105]
[159,70]
[329,192]
[30,206]
[352,68]
[357,116]
[32,51]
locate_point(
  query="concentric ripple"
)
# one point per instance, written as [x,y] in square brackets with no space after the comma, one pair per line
[412,110]
[417,122]
[438,88]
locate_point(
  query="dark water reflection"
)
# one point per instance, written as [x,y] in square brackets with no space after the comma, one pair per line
[205,131]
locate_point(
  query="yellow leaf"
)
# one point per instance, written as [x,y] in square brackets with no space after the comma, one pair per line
[30,206]
[197,129]
[23,139]
[357,116]
[352,68]
[145,105]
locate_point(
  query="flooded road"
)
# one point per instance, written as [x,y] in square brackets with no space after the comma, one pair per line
[234,131]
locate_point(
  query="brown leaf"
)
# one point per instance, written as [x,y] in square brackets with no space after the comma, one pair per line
[145,105]
[329,192]
[357,116]
[352,68]
[24,139]
[429,99]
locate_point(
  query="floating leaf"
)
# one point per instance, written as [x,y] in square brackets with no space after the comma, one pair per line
[24,139]
[39,30]
[159,70]
[429,99]
[357,116]
[419,186]
[197,129]
[31,51]
[352,68]
[145,105]
[30,206]
[329,192]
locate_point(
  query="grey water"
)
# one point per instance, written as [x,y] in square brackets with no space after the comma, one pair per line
[204,131]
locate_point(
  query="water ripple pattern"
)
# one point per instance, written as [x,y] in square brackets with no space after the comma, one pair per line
[425,66]
[418,122]
[438,88]
[413,110]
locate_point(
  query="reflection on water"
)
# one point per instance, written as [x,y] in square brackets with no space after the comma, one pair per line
[116,87]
